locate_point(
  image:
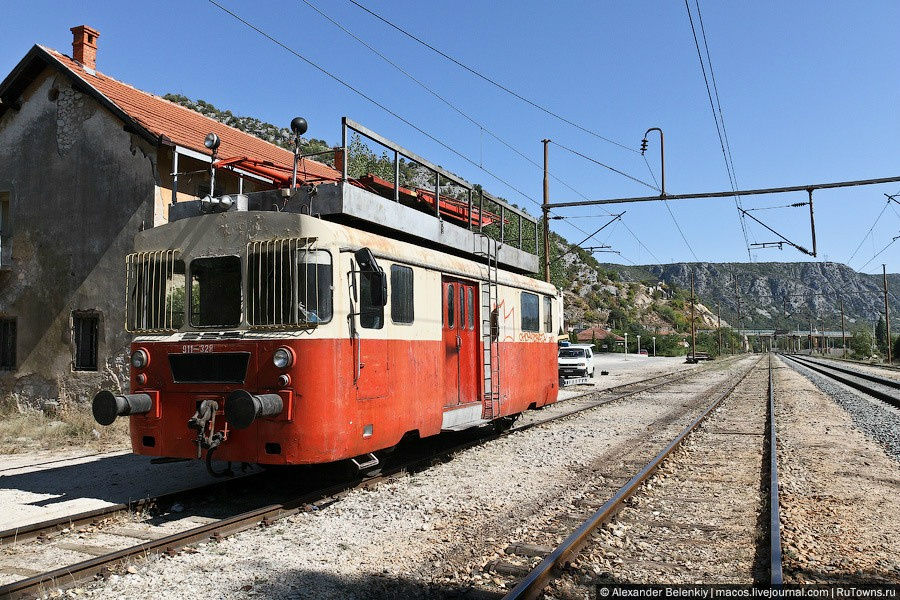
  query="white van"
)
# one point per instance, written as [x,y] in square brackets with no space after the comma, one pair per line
[576,361]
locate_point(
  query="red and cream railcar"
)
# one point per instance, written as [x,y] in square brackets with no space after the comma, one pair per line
[282,338]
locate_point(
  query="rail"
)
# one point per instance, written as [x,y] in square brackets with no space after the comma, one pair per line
[775,573]
[532,585]
[834,372]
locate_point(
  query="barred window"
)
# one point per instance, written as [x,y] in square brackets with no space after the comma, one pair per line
[7,344]
[155,297]
[530,313]
[402,294]
[289,284]
[86,335]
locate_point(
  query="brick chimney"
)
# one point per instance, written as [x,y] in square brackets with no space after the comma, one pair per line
[84,45]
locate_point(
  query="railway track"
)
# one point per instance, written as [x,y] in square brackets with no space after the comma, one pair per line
[556,561]
[104,562]
[882,388]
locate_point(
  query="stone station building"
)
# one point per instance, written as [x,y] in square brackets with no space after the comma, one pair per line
[87,161]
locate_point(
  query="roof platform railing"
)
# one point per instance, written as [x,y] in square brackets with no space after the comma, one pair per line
[496,226]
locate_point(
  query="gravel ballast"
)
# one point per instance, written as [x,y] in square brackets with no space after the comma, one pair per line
[428,534]
[877,419]
[839,488]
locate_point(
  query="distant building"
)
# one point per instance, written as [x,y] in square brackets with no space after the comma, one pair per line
[86,161]
[604,340]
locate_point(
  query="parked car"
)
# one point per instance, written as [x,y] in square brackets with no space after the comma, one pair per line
[576,361]
[643,352]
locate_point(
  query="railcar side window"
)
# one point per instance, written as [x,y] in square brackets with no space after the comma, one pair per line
[216,291]
[471,308]
[462,308]
[548,315]
[401,294]
[371,314]
[530,318]
[451,308]
[155,284]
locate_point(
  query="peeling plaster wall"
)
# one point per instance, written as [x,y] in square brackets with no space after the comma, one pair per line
[80,188]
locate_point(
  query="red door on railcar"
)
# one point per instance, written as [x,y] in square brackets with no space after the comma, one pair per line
[460,335]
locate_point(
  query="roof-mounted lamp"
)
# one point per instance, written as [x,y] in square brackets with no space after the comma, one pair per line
[298,127]
[212,142]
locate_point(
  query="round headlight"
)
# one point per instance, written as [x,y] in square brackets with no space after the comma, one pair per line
[283,358]
[139,358]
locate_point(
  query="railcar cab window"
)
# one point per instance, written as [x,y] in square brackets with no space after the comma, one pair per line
[216,291]
[288,285]
[402,294]
[155,284]
[530,312]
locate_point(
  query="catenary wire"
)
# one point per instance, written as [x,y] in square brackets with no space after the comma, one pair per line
[877,254]
[482,127]
[373,101]
[493,82]
[868,233]
[728,167]
[604,165]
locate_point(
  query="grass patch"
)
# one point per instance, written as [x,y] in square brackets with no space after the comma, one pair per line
[31,430]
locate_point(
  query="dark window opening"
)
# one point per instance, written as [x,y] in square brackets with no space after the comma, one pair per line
[216,292]
[273,448]
[7,344]
[371,314]
[86,335]
[471,308]
[531,320]
[548,315]
[451,308]
[149,441]
[401,294]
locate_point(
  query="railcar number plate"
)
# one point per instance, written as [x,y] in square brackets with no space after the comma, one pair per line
[196,348]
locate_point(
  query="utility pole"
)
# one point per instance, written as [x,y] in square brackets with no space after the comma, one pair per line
[737,298]
[546,211]
[843,332]
[810,334]
[693,331]
[887,314]
[719,316]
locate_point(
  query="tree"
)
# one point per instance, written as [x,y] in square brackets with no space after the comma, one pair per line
[881,335]
[861,341]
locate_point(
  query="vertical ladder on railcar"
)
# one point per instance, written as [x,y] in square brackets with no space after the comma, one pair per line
[490,326]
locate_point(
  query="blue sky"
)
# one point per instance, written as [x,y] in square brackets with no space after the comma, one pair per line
[809,93]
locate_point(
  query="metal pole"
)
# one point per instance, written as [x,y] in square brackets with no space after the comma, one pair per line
[843,333]
[719,327]
[887,314]
[654,345]
[481,212]
[693,331]
[812,222]
[731,193]
[174,175]
[437,195]
[662,157]
[344,149]
[546,212]
[397,182]
[737,299]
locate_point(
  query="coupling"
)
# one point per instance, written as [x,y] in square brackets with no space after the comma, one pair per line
[107,406]
[242,407]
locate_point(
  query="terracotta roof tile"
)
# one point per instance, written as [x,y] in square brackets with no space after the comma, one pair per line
[185,127]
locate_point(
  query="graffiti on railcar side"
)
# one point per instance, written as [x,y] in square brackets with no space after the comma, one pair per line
[532,336]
